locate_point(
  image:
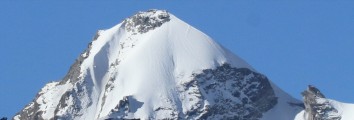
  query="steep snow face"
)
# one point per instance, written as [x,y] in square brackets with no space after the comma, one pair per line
[286,108]
[155,66]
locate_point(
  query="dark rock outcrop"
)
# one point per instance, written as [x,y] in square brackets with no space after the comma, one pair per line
[234,93]
[317,107]
[142,22]
[126,106]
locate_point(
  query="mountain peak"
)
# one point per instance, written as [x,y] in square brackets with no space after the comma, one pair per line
[313,91]
[144,21]
[155,66]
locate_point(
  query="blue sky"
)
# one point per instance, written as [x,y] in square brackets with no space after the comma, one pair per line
[294,43]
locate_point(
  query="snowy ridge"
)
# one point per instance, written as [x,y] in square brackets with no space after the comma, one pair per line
[155,66]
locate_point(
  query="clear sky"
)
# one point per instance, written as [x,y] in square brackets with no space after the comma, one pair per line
[293,43]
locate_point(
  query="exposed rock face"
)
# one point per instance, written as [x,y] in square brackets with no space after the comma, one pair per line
[317,107]
[222,93]
[145,21]
[74,71]
[127,106]
[233,93]
[30,112]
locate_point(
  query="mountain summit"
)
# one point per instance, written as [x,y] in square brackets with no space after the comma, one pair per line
[155,66]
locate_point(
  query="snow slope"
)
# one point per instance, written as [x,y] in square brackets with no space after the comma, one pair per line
[283,110]
[146,67]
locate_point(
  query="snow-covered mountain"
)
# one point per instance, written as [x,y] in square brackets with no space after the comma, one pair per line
[155,66]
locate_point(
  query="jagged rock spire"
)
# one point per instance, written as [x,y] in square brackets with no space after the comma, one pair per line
[317,107]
